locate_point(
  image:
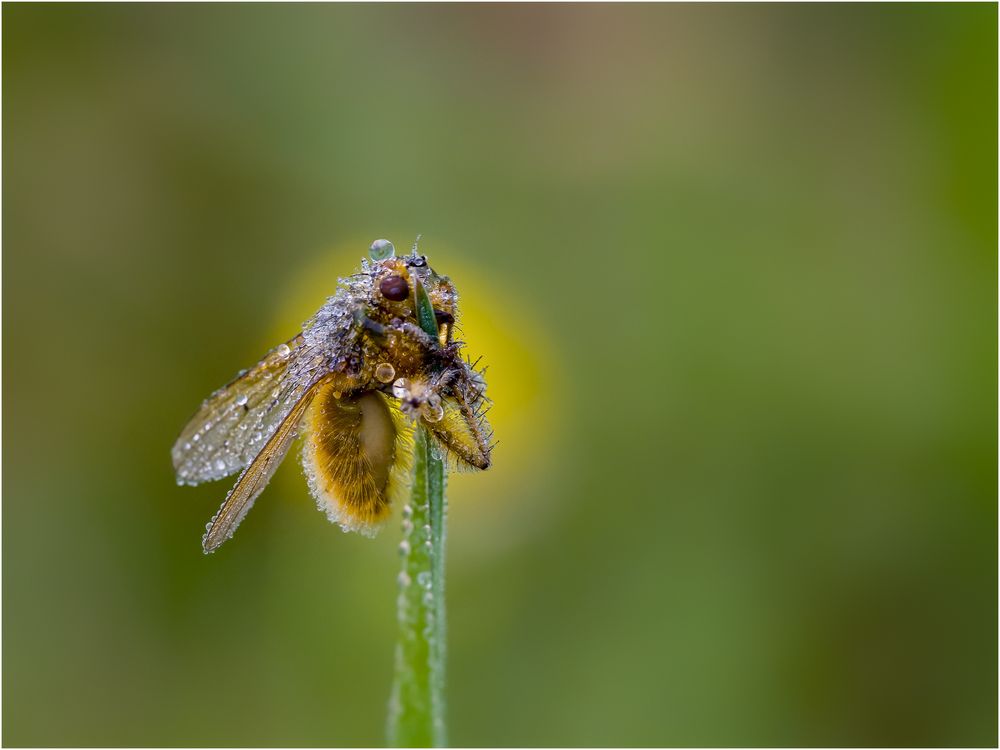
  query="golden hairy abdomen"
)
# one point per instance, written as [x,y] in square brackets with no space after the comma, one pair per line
[350,452]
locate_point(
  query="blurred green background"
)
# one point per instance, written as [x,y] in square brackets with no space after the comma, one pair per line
[733,268]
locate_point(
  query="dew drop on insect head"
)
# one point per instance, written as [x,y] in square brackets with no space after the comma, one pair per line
[381,249]
[385,372]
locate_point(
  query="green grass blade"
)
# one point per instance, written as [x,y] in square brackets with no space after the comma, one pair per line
[417,705]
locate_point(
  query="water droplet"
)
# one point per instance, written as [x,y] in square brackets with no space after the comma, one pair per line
[220,465]
[431,412]
[195,438]
[424,579]
[407,525]
[428,599]
[385,372]
[401,388]
[407,511]
[404,548]
[187,446]
[241,399]
[429,546]
[428,531]
[403,580]
[381,249]
[283,350]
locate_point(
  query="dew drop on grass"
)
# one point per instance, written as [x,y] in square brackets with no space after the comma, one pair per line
[424,579]
[404,548]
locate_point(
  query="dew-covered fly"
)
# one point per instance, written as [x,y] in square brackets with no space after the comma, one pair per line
[354,383]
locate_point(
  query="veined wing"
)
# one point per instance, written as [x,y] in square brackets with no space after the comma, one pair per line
[255,477]
[234,423]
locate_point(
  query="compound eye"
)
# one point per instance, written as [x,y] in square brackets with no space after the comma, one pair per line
[394,288]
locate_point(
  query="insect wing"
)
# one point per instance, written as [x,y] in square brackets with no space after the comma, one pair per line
[255,477]
[234,422]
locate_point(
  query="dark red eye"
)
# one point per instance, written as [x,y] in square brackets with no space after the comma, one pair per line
[394,288]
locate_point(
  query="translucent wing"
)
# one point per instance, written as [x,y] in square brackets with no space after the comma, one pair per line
[255,477]
[235,422]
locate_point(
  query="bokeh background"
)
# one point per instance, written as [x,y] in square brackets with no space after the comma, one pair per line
[733,268]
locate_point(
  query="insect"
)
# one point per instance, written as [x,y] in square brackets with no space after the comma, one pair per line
[354,383]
